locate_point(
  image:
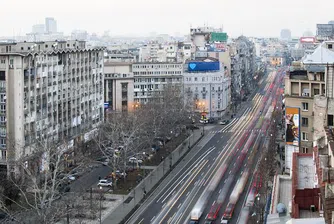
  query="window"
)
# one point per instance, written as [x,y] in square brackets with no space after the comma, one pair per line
[316,92]
[305,106]
[304,121]
[2,61]
[330,121]
[304,136]
[330,46]
[304,150]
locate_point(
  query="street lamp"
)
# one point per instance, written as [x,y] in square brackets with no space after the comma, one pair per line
[100,204]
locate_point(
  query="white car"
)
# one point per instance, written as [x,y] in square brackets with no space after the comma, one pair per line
[135,160]
[104,183]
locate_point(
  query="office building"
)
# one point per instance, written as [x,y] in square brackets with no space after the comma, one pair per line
[207,87]
[50,25]
[286,35]
[152,77]
[118,86]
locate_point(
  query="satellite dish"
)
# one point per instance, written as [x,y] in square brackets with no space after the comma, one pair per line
[281,208]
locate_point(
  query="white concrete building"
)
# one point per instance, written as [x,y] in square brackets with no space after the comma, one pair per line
[52,91]
[209,90]
[118,86]
[154,77]
[149,52]
[38,29]
[50,25]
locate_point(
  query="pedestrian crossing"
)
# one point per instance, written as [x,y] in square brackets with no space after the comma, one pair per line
[232,131]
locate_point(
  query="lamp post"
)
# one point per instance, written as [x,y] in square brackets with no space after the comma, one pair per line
[202,106]
[100,204]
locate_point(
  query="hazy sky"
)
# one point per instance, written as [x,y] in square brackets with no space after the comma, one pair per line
[140,17]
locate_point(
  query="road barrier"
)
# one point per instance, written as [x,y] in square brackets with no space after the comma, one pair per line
[148,184]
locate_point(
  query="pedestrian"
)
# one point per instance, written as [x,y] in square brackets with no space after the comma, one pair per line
[99,178]
[144,193]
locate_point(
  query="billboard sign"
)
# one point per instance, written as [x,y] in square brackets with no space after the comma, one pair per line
[221,37]
[292,126]
[203,66]
[217,47]
[307,40]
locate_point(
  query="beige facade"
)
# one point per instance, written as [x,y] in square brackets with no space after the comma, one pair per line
[118,86]
[225,58]
[300,88]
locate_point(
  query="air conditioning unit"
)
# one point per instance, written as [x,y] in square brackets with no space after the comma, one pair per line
[11,66]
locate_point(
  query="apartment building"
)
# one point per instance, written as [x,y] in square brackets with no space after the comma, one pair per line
[300,88]
[151,77]
[50,91]
[118,86]
[149,52]
[207,87]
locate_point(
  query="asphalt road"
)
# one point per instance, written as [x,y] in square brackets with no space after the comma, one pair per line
[174,200]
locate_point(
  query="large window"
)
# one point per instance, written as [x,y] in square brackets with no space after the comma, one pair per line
[305,106]
[304,136]
[304,121]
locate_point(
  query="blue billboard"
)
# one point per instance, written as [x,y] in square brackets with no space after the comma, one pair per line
[203,66]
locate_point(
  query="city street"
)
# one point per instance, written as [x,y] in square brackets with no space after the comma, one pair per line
[173,202]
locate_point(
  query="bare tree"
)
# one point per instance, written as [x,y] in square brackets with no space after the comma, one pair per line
[41,183]
[120,137]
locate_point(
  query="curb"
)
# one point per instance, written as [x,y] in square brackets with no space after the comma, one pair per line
[159,182]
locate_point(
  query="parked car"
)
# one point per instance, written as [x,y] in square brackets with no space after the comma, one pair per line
[104,183]
[135,160]
[192,126]
[211,120]
[224,122]
[71,178]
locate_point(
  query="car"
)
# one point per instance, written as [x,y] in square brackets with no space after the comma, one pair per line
[104,183]
[71,177]
[224,122]
[135,160]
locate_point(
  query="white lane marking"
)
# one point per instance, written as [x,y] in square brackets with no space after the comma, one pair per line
[224,182]
[230,172]
[179,206]
[220,190]
[198,161]
[164,205]
[152,218]
[187,193]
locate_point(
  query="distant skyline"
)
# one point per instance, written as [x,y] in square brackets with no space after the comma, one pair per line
[140,18]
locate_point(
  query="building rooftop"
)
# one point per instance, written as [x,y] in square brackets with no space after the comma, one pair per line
[116,63]
[321,55]
[156,62]
[203,59]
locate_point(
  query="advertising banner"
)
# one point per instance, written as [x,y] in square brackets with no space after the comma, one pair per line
[203,66]
[292,125]
[216,47]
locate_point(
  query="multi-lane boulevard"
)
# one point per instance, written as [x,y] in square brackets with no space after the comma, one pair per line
[212,171]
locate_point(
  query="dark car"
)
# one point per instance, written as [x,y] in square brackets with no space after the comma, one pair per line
[224,122]
[192,126]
